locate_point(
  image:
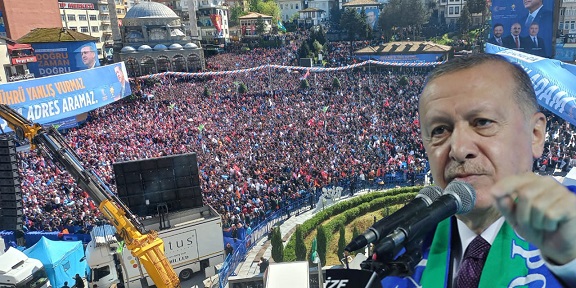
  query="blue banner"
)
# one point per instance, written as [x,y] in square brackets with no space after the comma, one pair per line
[526,26]
[414,58]
[54,98]
[372,15]
[63,57]
[554,81]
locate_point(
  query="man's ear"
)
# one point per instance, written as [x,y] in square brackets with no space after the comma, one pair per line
[538,122]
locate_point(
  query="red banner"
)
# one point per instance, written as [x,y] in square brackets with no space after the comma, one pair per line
[216,21]
[23,60]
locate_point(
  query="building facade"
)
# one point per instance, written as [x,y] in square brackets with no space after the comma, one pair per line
[83,17]
[17,16]
[14,59]
[289,9]
[249,23]
[153,41]
[311,16]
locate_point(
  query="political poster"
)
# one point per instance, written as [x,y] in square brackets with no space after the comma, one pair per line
[525,26]
[54,98]
[63,57]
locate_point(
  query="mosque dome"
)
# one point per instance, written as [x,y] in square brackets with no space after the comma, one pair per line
[128,49]
[144,48]
[160,47]
[190,46]
[175,46]
[150,10]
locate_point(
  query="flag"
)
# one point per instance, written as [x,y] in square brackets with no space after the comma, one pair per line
[281,27]
[313,253]
[201,127]
[172,106]
[56,126]
[325,109]
[305,75]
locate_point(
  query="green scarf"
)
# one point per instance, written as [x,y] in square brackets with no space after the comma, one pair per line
[500,267]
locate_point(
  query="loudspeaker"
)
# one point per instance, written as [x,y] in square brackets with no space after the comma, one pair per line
[11,206]
[172,181]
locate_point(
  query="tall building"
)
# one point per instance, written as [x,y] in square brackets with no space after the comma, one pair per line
[22,16]
[83,16]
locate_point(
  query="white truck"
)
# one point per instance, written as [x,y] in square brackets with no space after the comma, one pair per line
[19,271]
[192,243]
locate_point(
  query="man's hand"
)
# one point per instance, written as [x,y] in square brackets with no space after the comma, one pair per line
[542,211]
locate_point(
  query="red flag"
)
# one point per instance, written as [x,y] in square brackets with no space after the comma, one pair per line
[216,21]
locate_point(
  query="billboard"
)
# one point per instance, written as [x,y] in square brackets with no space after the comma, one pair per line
[2,26]
[372,17]
[526,26]
[52,99]
[63,57]
[409,58]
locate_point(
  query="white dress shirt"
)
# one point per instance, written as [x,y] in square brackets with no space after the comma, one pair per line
[565,272]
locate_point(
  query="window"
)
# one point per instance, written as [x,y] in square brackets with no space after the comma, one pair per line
[63,17]
[71,17]
[119,11]
[84,29]
[450,10]
[562,12]
[281,6]
[73,28]
[291,6]
[566,25]
[561,25]
[572,25]
[82,18]
[457,10]
[94,29]
[92,17]
[103,7]
[297,6]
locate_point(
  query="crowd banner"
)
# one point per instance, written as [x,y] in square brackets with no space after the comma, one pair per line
[53,98]
[554,81]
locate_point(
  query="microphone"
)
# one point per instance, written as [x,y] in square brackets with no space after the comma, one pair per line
[387,224]
[459,198]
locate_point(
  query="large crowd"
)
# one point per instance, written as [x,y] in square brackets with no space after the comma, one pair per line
[257,150]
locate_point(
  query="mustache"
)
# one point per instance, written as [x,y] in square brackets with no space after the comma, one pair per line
[467,168]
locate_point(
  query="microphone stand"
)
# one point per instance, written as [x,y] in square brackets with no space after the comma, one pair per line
[386,264]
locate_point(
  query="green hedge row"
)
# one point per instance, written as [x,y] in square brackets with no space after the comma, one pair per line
[344,212]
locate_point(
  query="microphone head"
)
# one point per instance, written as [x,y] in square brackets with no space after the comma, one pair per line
[464,194]
[429,194]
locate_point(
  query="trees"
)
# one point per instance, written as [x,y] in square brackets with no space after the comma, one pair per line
[235,12]
[341,241]
[300,249]
[464,21]
[277,245]
[322,239]
[260,25]
[406,16]
[353,23]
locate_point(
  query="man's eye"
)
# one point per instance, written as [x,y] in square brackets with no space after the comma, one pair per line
[438,131]
[483,122]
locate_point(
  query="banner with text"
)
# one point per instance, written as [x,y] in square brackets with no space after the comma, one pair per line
[63,57]
[553,80]
[408,58]
[51,99]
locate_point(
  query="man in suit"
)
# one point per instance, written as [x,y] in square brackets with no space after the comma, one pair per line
[496,37]
[537,44]
[123,80]
[514,40]
[537,13]
[480,123]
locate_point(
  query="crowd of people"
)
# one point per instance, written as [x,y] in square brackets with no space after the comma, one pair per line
[257,150]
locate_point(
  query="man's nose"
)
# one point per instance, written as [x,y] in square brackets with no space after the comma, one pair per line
[463,144]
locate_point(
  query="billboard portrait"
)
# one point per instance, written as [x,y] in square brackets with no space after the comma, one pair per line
[523,25]
[63,57]
[372,17]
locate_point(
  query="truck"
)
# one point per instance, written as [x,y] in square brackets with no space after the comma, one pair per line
[193,243]
[19,271]
[145,245]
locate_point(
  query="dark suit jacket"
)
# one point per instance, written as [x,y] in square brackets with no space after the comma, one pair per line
[509,42]
[492,40]
[540,50]
[544,19]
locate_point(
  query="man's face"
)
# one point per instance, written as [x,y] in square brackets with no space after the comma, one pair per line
[119,74]
[370,17]
[534,28]
[88,57]
[532,5]
[498,31]
[474,131]
[515,29]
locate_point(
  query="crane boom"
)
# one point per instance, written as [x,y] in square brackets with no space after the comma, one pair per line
[145,245]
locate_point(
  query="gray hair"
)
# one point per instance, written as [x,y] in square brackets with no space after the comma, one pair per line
[525,95]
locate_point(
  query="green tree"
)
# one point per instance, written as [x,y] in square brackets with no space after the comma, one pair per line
[253,5]
[477,6]
[341,242]
[335,15]
[300,247]
[304,84]
[304,50]
[322,243]
[260,25]
[464,21]
[269,8]
[353,23]
[242,88]
[403,81]
[402,14]
[277,245]
[206,92]
[335,83]
[235,12]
